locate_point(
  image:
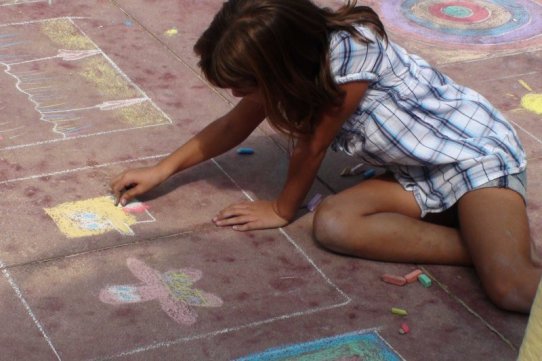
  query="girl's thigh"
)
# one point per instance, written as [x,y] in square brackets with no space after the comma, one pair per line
[495,229]
[494,225]
[377,195]
[378,219]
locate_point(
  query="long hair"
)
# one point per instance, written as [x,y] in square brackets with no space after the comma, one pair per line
[281,47]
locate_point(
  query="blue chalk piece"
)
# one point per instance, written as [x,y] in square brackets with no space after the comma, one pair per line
[369,173]
[425,280]
[128,22]
[245,150]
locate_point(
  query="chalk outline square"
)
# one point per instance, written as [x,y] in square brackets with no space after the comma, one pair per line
[113,65]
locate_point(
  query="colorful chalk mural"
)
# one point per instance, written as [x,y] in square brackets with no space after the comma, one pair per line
[96,216]
[366,345]
[469,23]
[73,88]
[172,289]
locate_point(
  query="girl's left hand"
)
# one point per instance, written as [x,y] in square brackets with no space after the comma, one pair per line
[248,216]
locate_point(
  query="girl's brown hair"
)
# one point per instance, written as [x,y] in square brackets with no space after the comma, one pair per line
[281,47]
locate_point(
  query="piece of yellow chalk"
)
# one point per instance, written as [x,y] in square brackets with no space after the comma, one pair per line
[171,32]
[398,311]
[525,85]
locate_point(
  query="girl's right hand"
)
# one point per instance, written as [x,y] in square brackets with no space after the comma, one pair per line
[134,182]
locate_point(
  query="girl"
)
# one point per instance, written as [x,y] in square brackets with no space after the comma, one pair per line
[332,78]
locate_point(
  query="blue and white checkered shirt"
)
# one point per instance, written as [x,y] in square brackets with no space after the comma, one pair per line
[438,138]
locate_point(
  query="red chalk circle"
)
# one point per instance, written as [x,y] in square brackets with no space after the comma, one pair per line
[459,11]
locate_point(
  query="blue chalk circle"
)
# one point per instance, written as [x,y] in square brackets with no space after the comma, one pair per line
[245,150]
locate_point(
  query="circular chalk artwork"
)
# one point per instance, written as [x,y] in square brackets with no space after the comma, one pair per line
[465,22]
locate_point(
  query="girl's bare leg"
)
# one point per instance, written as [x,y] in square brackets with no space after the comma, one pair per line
[377,219]
[495,228]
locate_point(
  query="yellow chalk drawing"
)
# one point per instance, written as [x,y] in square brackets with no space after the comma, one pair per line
[532,102]
[63,33]
[142,114]
[92,217]
[107,79]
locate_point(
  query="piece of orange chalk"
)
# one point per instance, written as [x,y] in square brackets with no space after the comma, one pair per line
[413,276]
[394,280]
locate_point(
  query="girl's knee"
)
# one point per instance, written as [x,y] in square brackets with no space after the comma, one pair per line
[508,292]
[328,224]
[337,228]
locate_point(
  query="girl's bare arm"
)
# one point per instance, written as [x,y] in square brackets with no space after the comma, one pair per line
[218,137]
[310,151]
[305,161]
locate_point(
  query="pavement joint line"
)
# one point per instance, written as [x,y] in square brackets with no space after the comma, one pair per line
[4,267]
[43,20]
[511,53]
[512,76]
[88,167]
[28,2]
[470,310]
[29,311]
[164,344]
[50,141]
[526,131]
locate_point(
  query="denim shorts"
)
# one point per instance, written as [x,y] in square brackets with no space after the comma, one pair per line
[516,182]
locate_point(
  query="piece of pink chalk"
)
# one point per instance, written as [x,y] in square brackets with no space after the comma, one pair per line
[404,328]
[413,276]
[394,280]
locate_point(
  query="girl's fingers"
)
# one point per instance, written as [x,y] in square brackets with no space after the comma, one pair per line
[235,221]
[247,226]
[231,211]
[129,194]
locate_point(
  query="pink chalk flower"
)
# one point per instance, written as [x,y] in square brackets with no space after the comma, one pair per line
[173,289]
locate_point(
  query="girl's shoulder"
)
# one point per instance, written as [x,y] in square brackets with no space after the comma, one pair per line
[342,36]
